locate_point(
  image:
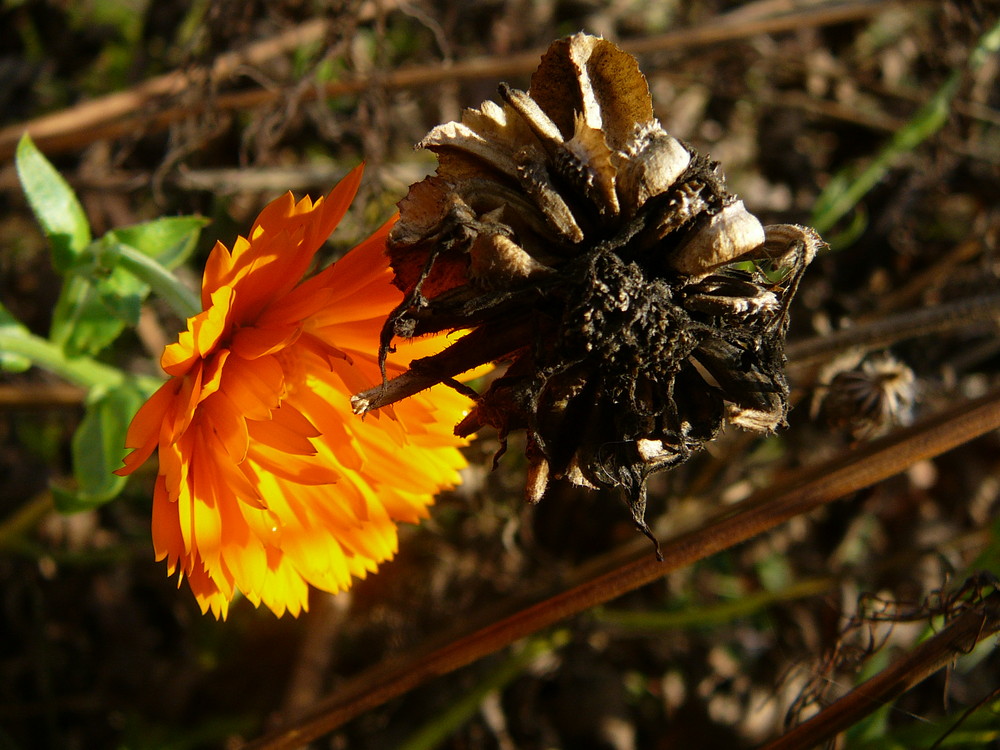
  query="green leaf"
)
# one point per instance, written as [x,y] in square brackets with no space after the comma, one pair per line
[142,256]
[103,293]
[98,448]
[54,204]
[119,291]
[169,240]
[11,326]
[82,323]
[122,295]
[845,191]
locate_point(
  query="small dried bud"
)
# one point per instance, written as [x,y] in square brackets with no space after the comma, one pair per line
[866,397]
[596,253]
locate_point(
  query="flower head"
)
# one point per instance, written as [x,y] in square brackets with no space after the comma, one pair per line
[640,304]
[267,482]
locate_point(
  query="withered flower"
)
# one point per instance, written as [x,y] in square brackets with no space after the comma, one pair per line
[639,303]
[866,396]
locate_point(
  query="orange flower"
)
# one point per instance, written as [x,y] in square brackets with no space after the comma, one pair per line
[267,481]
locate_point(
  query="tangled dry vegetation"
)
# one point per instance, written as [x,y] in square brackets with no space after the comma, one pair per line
[874,121]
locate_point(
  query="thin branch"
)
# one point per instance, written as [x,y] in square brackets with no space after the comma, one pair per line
[612,577]
[894,328]
[76,126]
[40,396]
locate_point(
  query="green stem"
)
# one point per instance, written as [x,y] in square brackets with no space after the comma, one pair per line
[843,194]
[719,614]
[14,528]
[181,299]
[459,712]
[840,198]
[43,353]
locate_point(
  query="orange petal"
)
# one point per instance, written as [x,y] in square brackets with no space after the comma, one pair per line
[178,357]
[167,540]
[254,342]
[144,430]
[255,387]
[280,438]
[210,326]
[291,468]
[228,426]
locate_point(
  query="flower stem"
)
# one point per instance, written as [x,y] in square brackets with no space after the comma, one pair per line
[43,353]
[14,528]
[181,299]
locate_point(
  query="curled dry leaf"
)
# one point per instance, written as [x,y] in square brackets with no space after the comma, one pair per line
[638,302]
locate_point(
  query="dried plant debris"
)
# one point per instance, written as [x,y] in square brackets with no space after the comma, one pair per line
[866,396]
[638,302]
[870,629]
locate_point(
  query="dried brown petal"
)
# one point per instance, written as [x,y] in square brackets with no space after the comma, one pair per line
[652,164]
[597,254]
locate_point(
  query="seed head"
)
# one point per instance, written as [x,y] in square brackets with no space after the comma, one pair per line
[639,304]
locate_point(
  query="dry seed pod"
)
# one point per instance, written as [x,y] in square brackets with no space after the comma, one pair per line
[866,396]
[595,253]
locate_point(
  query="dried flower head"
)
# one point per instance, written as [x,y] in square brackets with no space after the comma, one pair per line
[607,262]
[866,396]
[267,483]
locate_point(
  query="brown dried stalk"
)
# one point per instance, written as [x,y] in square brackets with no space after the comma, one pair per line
[115,114]
[40,396]
[766,509]
[891,329]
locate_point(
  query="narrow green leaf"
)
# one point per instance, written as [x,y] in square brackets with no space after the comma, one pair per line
[98,448]
[11,326]
[54,204]
[845,190]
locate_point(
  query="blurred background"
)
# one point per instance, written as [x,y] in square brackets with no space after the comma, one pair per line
[215,108]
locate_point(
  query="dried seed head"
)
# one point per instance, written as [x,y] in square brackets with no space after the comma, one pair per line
[597,254]
[866,396]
